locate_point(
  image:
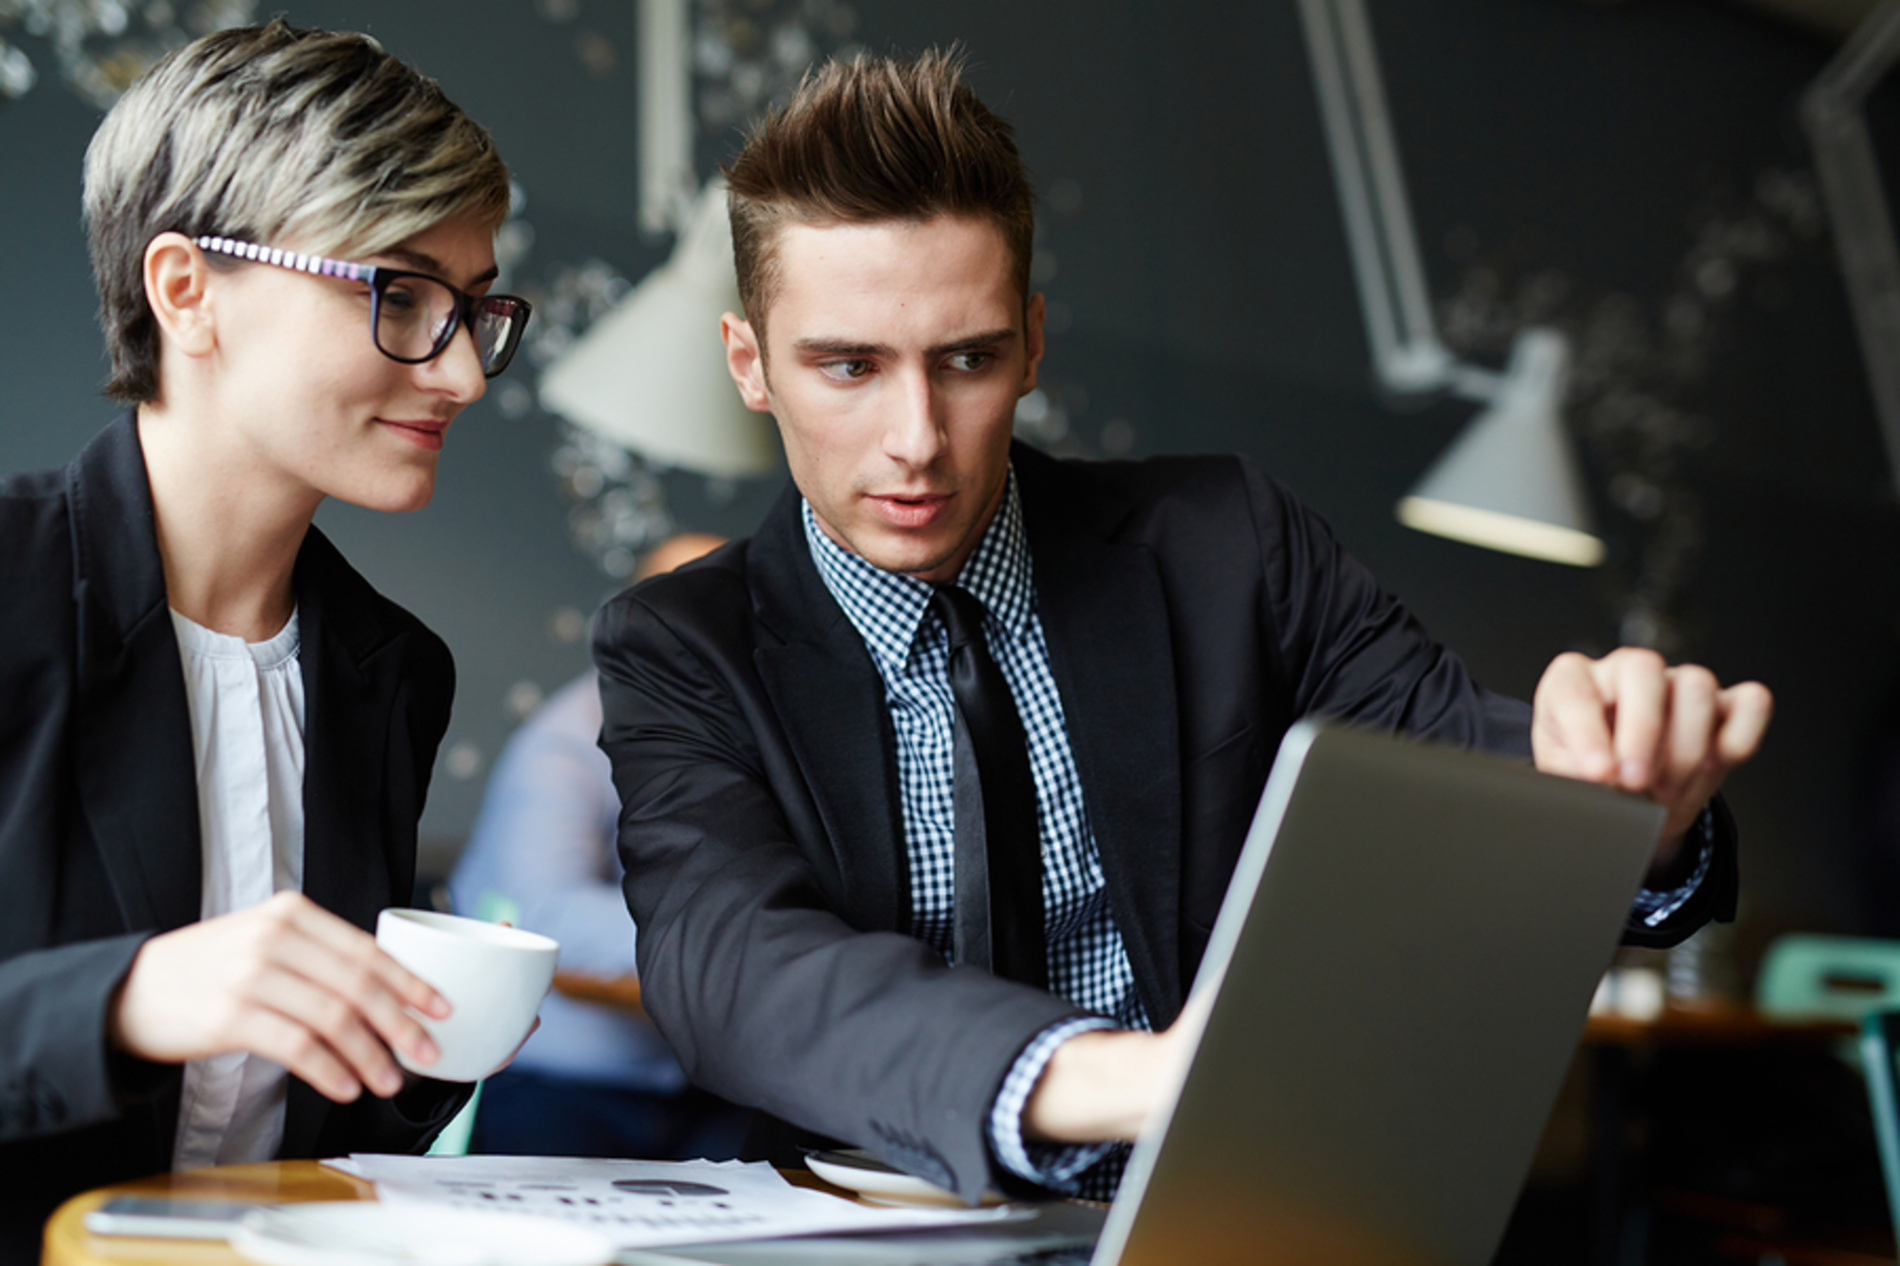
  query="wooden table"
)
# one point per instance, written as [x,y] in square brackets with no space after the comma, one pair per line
[1711,1024]
[619,992]
[69,1243]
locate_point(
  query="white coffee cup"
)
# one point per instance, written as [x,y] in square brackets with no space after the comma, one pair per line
[494,977]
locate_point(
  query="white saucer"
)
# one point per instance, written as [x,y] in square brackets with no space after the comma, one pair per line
[333,1233]
[857,1170]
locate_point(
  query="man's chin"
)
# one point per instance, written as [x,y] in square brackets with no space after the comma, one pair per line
[919,559]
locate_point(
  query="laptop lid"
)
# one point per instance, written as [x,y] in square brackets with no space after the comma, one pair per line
[1403,966]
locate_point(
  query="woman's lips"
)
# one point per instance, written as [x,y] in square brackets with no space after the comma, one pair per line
[911,512]
[424,435]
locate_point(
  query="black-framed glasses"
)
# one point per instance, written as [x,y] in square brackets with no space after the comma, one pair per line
[412,316]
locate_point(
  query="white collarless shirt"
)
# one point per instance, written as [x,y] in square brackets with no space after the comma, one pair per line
[247,728]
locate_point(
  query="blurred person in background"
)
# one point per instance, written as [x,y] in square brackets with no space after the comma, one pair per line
[594,1080]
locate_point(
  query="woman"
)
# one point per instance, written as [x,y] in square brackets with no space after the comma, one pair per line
[215,737]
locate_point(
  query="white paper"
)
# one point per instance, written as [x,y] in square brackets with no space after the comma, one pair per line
[639,1204]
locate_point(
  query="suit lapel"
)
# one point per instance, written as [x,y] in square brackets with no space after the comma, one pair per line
[351,666]
[132,741]
[351,669]
[830,701]
[1105,618]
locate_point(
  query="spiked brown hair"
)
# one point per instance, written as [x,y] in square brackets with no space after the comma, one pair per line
[875,139]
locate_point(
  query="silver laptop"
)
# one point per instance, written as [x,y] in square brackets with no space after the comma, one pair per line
[1402,968]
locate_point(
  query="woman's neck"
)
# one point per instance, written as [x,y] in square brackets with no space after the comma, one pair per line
[228,530]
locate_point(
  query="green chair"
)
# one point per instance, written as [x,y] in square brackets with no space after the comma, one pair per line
[1879,1040]
[1805,979]
[1809,977]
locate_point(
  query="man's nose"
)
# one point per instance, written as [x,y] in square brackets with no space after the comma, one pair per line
[913,430]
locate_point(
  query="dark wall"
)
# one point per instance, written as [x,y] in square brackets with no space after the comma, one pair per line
[1594,165]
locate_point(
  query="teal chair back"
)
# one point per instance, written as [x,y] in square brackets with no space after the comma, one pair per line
[1810,977]
[1879,1040]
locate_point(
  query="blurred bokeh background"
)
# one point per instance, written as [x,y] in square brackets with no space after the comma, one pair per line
[1633,174]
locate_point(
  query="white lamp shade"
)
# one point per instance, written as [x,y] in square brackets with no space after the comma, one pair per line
[1510,481]
[651,375]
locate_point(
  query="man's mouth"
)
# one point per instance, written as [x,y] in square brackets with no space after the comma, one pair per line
[910,510]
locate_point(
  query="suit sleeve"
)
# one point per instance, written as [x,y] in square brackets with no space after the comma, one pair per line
[406,1122]
[768,995]
[55,1070]
[1351,650]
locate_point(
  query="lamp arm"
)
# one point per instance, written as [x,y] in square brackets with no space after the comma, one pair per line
[1406,351]
[667,175]
[1857,204]
[1866,55]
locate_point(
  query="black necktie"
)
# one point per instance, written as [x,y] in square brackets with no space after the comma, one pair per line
[998,917]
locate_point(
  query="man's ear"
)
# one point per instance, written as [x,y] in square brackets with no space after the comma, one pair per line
[177,289]
[745,360]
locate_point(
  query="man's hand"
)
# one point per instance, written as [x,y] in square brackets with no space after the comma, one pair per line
[1629,720]
[1104,1085]
[286,980]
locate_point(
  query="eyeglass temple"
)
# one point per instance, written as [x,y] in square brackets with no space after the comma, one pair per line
[317,264]
[323,267]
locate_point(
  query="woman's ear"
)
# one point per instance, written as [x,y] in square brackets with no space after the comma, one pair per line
[176,287]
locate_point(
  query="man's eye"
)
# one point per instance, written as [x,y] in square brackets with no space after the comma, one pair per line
[970,361]
[845,370]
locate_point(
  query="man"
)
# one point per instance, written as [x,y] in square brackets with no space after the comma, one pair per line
[786,718]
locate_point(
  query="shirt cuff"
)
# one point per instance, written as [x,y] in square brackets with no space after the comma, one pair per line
[1053,1165]
[1654,906]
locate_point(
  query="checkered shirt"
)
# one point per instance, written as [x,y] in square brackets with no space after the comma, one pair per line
[1087,962]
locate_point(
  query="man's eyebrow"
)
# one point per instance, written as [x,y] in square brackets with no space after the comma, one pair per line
[849,347]
[974,342]
[418,261]
[839,347]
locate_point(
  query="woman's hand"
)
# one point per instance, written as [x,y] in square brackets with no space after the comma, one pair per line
[285,980]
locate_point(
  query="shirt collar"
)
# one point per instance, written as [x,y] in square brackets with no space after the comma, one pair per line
[888,607]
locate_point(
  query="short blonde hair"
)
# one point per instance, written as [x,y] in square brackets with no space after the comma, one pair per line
[265,133]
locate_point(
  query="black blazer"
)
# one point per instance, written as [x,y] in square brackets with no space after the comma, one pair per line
[99,836]
[1193,611]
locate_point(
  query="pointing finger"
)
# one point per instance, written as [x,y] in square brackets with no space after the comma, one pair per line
[1570,730]
[1689,746]
[1640,696]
